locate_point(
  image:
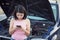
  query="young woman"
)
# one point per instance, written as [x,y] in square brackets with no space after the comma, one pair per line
[19,26]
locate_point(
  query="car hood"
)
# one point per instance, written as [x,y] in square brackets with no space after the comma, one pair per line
[42,8]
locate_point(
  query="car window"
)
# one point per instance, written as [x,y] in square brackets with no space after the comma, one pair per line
[2,14]
[54,8]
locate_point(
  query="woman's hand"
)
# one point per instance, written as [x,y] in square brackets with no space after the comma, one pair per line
[23,29]
[14,28]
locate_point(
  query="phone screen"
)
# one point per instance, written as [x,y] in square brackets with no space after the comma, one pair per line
[18,26]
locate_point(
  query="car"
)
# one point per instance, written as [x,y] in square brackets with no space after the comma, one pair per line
[42,27]
[44,17]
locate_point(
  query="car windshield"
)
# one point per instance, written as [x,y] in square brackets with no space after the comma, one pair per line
[36,18]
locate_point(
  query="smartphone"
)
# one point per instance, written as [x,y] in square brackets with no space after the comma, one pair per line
[18,26]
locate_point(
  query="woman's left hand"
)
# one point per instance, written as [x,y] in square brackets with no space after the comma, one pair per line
[23,29]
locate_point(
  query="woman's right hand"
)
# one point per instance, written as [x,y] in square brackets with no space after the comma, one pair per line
[14,28]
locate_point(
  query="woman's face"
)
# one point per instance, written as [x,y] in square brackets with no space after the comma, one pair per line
[20,15]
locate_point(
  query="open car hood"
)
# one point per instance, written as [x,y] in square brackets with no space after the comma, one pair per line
[42,8]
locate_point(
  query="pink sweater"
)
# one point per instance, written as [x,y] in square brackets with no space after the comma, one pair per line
[19,34]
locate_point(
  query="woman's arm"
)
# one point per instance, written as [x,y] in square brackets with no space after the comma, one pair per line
[27,31]
[11,29]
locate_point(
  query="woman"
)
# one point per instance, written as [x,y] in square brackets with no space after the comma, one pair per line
[19,26]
